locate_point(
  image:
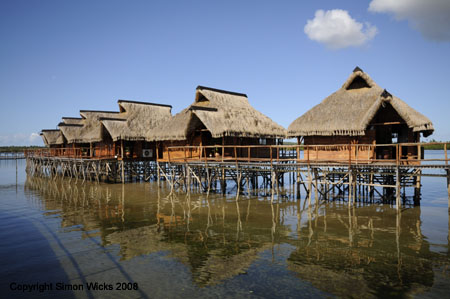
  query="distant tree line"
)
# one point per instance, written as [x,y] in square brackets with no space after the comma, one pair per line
[17,149]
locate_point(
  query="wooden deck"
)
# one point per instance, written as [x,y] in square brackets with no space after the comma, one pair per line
[309,167]
[355,154]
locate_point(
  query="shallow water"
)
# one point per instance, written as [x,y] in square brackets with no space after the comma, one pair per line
[70,234]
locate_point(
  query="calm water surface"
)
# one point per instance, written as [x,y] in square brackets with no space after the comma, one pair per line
[72,234]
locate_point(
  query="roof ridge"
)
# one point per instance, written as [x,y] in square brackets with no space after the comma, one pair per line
[143,103]
[200,87]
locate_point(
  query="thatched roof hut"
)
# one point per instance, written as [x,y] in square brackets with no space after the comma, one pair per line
[52,137]
[224,114]
[136,120]
[88,129]
[349,111]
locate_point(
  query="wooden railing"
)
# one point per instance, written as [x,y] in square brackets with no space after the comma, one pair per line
[73,152]
[398,154]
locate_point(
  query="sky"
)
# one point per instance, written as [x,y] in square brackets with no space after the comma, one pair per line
[59,57]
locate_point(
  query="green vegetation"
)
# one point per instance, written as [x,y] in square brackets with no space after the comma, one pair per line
[435,146]
[17,149]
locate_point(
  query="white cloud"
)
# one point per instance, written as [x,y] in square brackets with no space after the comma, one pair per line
[430,17]
[21,139]
[35,138]
[337,29]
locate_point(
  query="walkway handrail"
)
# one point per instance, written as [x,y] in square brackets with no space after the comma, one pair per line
[99,152]
[348,154]
[396,154]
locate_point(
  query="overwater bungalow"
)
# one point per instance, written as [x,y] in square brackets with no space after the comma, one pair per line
[361,112]
[52,138]
[87,135]
[217,119]
[130,131]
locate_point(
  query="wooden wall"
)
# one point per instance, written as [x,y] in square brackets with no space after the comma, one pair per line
[338,153]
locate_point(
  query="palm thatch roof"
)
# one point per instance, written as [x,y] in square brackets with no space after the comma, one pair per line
[52,137]
[174,129]
[350,110]
[72,120]
[223,113]
[88,129]
[136,120]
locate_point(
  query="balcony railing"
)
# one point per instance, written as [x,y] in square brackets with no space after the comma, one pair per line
[393,154]
[397,154]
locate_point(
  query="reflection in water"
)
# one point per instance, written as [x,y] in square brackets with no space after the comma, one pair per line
[366,250]
[344,250]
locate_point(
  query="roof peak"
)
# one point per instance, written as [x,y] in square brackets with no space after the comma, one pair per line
[358,69]
[386,94]
[221,91]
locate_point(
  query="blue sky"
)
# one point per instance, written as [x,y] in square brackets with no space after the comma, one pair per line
[57,57]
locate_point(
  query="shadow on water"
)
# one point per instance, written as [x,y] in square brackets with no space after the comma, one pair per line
[27,258]
[275,249]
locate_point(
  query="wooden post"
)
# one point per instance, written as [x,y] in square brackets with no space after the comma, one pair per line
[271,162]
[445,152]
[397,187]
[397,155]
[307,154]
[223,183]
[349,156]
[419,152]
[417,189]
[278,156]
[309,186]
[350,185]
[316,189]
[272,186]
[448,187]
[157,153]
[298,170]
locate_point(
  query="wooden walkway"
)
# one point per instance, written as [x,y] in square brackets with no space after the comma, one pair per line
[309,168]
[11,156]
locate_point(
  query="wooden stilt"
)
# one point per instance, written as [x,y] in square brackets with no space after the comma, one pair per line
[448,187]
[309,186]
[397,188]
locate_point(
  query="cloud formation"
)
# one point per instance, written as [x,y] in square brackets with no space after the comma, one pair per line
[21,139]
[337,29]
[430,17]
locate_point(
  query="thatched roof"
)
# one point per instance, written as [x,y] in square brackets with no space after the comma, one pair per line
[89,129]
[52,137]
[350,110]
[223,113]
[174,129]
[136,120]
[72,120]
